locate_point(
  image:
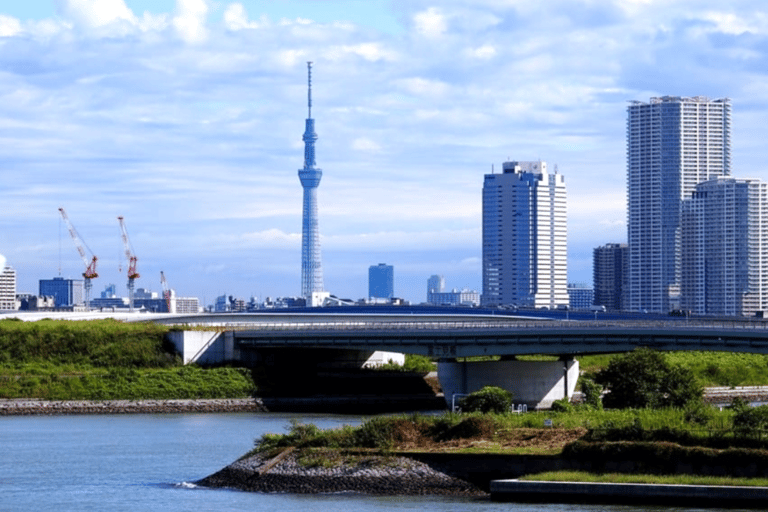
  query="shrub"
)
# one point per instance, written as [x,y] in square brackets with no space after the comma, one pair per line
[592,393]
[562,405]
[644,378]
[488,399]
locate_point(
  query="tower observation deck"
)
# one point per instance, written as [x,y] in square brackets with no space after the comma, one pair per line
[311,264]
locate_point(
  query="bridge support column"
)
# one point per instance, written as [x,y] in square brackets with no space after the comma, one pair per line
[534,383]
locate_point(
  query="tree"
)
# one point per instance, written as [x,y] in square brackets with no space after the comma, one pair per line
[644,378]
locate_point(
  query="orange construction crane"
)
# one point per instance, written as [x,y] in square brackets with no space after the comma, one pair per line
[132,273]
[90,267]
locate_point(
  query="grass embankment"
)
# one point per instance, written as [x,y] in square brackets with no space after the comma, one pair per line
[709,368]
[105,360]
[623,478]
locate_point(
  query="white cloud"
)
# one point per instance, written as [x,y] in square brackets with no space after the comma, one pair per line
[431,23]
[190,20]
[9,26]
[372,52]
[236,18]
[483,52]
[365,144]
[97,13]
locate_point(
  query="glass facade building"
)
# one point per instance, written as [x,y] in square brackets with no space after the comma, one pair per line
[381,281]
[66,292]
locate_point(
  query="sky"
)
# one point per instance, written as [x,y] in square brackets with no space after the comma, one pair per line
[186,118]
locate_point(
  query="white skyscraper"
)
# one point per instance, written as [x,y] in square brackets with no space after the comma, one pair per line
[673,144]
[525,237]
[725,248]
[7,286]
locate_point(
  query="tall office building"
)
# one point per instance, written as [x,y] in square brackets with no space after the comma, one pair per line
[7,286]
[525,237]
[725,248]
[381,281]
[311,265]
[673,144]
[609,273]
[65,292]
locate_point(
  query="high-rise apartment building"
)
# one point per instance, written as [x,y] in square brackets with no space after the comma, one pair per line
[525,237]
[673,144]
[725,248]
[311,264]
[609,272]
[435,284]
[381,281]
[7,287]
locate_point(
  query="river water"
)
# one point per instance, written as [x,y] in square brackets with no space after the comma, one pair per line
[145,462]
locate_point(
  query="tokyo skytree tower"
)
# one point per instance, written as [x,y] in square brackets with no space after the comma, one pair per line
[311,265]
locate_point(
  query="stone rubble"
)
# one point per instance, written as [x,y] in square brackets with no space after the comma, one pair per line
[374,474]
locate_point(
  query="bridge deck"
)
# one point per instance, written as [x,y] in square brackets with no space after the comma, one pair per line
[448,339]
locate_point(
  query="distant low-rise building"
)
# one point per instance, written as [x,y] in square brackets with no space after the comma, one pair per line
[455,297]
[581,296]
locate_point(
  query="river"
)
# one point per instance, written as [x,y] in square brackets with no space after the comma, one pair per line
[145,462]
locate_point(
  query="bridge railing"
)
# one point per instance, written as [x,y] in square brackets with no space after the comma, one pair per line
[494,325]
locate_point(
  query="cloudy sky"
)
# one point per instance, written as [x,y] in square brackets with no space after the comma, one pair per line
[186,117]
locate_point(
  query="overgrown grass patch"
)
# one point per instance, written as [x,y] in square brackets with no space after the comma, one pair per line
[624,478]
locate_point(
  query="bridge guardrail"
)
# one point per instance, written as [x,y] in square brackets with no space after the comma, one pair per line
[501,325]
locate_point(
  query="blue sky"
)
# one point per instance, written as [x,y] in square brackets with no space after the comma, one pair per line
[186,117]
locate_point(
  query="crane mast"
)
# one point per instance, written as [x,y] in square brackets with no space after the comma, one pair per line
[166,292]
[132,260]
[90,266]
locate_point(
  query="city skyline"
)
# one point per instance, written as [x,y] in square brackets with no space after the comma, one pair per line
[187,120]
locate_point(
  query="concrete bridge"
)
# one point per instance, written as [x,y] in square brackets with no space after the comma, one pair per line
[327,339]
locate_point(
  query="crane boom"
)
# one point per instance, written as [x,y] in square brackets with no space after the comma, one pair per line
[90,267]
[132,273]
[132,260]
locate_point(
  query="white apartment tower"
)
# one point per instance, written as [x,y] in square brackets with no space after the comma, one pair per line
[725,248]
[7,287]
[525,237]
[673,144]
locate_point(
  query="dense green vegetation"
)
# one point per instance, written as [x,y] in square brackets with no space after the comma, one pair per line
[104,360]
[709,368]
[685,426]
[644,378]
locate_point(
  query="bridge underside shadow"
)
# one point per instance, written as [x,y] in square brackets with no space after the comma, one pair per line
[335,380]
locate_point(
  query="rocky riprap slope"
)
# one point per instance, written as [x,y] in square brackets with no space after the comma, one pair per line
[46,407]
[368,474]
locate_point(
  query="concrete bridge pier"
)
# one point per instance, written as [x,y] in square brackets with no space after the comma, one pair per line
[534,383]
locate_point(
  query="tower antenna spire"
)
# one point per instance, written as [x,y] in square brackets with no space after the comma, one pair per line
[309,88]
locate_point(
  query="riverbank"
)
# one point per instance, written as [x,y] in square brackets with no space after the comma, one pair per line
[28,407]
